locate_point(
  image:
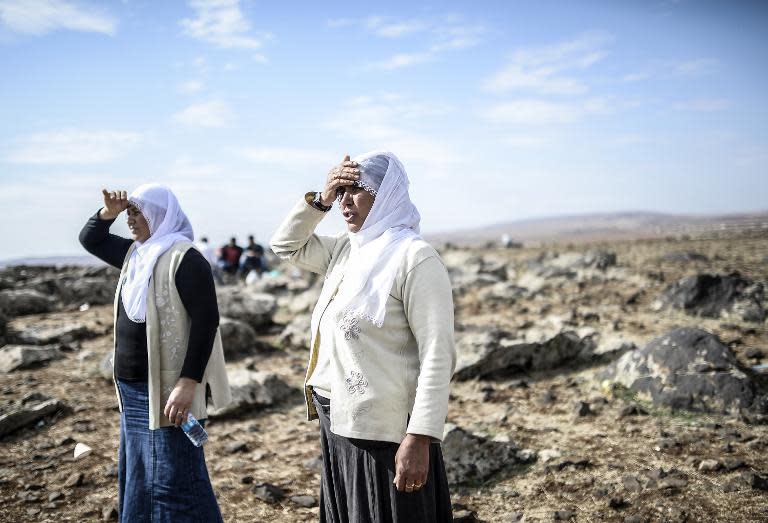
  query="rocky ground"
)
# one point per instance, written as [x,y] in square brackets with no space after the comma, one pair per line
[604,382]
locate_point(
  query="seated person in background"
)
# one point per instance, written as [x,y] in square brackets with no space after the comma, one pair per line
[254,258]
[229,261]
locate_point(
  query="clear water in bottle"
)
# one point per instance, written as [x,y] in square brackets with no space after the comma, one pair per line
[194,431]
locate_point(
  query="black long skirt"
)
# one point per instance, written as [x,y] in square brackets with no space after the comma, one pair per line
[357,478]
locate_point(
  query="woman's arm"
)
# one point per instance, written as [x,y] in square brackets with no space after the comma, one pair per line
[428,303]
[295,239]
[95,236]
[97,240]
[194,282]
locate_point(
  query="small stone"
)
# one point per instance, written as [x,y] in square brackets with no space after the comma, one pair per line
[314,463]
[730,464]
[631,483]
[239,446]
[754,480]
[111,471]
[635,518]
[75,480]
[547,455]
[464,515]
[709,465]
[304,501]
[33,511]
[268,492]
[582,408]
[618,503]
[632,410]
[53,496]
[109,514]
[82,450]
[564,515]
[514,517]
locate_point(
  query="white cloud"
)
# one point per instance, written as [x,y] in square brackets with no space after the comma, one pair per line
[395,123]
[695,67]
[444,36]
[402,60]
[289,158]
[73,147]
[184,168]
[222,23]
[542,112]
[540,69]
[191,86]
[703,105]
[382,27]
[39,17]
[525,141]
[207,114]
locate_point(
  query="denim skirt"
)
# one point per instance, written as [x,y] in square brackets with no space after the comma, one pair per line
[162,476]
[357,476]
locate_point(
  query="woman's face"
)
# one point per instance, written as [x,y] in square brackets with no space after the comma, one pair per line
[138,224]
[355,205]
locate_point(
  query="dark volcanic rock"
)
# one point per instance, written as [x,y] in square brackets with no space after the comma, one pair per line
[469,457]
[689,369]
[268,492]
[17,357]
[21,417]
[714,295]
[18,302]
[495,353]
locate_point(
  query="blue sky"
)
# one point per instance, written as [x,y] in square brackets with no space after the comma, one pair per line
[499,110]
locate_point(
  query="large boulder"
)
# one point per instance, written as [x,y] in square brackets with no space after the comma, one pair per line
[497,353]
[17,357]
[690,369]
[237,337]
[683,257]
[22,416]
[304,302]
[18,302]
[297,334]
[714,296]
[468,270]
[45,335]
[474,458]
[3,327]
[240,303]
[252,390]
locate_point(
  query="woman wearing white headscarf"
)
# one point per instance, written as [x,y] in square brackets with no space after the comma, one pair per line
[167,354]
[382,350]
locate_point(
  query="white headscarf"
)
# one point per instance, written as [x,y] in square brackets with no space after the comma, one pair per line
[377,250]
[167,225]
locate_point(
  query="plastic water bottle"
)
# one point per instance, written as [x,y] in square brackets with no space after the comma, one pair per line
[194,431]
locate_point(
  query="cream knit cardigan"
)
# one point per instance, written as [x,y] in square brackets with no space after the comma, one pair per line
[167,337]
[388,381]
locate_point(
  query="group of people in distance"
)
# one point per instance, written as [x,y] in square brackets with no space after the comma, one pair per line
[380,359]
[233,260]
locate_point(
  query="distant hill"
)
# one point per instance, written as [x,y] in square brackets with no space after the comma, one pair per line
[604,227]
[53,260]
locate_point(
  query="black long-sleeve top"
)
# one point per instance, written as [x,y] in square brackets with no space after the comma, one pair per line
[194,282]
